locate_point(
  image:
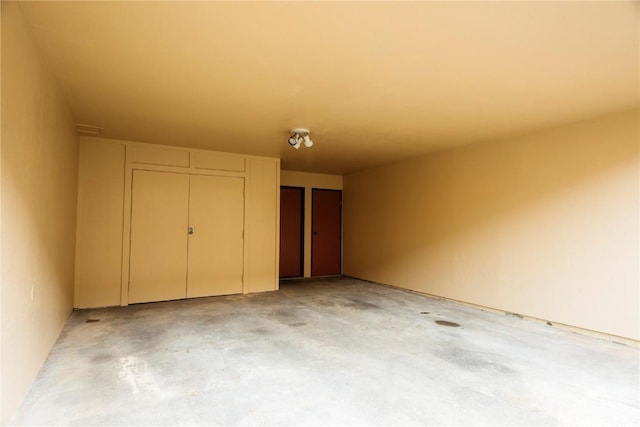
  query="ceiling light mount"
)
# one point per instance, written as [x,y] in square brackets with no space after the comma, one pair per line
[300,136]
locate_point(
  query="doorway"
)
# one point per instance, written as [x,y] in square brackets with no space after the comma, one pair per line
[291,232]
[326,238]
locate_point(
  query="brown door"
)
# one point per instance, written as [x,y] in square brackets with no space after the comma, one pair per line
[291,231]
[326,232]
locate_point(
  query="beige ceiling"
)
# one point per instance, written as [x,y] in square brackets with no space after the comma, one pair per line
[373,81]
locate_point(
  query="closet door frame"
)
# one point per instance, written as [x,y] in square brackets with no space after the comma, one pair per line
[126,229]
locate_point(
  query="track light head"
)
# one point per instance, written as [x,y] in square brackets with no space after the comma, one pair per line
[307,141]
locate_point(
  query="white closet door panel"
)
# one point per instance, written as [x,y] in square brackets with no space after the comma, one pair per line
[216,213]
[159,221]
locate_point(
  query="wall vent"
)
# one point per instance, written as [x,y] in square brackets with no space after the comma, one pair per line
[83,129]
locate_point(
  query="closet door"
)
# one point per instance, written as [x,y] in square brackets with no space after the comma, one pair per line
[216,246]
[159,220]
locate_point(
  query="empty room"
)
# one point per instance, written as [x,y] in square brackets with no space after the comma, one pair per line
[319,213]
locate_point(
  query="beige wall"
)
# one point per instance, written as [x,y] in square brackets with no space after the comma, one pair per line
[39,171]
[2,417]
[262,225]
[104,212]
[309,181]
[544,225]
[100,220]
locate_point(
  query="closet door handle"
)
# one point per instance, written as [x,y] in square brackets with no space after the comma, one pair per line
[191,229]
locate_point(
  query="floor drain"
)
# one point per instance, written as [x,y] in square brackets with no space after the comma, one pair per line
[447,323]
[91,320]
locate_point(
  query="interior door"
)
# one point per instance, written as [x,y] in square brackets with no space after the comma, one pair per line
[291,231]
[326,239]
[159,220]
[216,245]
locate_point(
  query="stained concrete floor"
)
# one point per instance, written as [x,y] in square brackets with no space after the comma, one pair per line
[327,352]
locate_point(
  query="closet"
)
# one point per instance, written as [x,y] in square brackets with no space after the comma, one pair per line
[186,236]
[158,223]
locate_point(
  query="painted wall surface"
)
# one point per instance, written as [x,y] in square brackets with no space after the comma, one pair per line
[261,235]
[39,181]
[544,225]
[100,222]
[1,132]
[309,181]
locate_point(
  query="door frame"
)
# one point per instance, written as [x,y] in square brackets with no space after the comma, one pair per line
[313,190]
[130,167]
[302,221]
[128,229]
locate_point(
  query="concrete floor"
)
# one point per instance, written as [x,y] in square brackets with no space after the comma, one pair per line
[327,352]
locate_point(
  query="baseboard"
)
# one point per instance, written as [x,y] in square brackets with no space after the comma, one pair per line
[310,278]
[576,329]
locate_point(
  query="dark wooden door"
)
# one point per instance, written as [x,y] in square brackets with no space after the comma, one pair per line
[326,239]
[291,231]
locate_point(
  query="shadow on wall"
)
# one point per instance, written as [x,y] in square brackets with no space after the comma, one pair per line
[544,225]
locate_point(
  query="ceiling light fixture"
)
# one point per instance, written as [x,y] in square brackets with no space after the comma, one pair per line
[300,136]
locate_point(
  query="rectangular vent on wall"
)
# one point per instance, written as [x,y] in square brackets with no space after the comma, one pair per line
[84,129]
